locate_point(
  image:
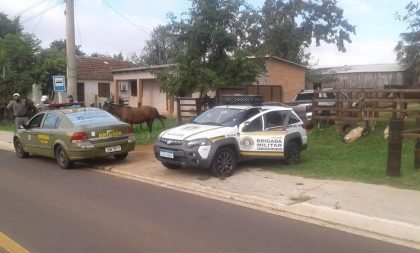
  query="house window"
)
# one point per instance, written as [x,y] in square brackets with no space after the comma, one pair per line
[133,86]
[103,90]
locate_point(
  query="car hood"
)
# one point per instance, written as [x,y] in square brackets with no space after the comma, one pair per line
[193,131]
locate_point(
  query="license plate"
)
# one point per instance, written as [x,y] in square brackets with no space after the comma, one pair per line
[112,149]
[167,154]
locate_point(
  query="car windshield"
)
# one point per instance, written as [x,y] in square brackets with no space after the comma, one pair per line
[89,117]
[227,117]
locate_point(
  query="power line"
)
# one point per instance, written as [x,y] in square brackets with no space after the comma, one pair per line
[27,9]
[39,21]
[40,13]
[128,20]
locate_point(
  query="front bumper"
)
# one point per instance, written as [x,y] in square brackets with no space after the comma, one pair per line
[183,155]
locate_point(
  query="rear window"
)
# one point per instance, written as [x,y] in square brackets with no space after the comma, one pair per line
[304,96]
[88,117]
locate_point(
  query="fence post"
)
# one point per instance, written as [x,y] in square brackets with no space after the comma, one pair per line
[198,106]
[315,108]
[394,147]
[417,145]
[178,111]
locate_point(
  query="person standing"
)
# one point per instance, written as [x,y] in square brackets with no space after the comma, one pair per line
[70,99]
[20,109]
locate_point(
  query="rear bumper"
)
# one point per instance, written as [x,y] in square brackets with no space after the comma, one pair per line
[98,150]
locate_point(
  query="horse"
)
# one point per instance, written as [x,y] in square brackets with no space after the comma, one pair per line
[135,115]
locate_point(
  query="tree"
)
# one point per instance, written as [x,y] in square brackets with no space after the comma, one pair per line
[408,48]
[208,52]
[49,62]
[159,49]
[287,28]
[17,59]
[9,26]
[60,45]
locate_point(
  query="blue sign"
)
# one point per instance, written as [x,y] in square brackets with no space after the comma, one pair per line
[59,83]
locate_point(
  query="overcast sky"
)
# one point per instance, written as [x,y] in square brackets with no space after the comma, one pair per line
[114,26]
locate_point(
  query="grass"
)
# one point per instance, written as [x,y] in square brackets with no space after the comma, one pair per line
[141,131]
[364,160]
[7,126]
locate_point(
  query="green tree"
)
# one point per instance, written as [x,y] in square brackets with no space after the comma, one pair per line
[60,45]
[208,46]
[9,26]
[17,59]
[49,62]
[408,48]
[159,49]
[287,28]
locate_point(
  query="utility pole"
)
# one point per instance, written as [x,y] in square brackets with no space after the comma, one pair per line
[71,50]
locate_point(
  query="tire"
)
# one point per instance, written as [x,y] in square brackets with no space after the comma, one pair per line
[62,158]
[171,166]
[292,153]
[120,157]
[224,163]
[19,149]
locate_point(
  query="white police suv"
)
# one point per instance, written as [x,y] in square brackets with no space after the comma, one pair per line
[223,135]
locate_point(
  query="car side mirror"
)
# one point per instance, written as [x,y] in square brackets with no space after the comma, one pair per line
[24,126]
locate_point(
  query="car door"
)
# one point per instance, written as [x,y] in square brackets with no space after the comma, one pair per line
[47,133]
[32,131]
[264,134]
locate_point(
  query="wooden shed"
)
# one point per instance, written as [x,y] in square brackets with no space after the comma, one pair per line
[361,76]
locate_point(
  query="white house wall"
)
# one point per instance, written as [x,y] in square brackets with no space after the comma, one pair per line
[152,95]
[91,90]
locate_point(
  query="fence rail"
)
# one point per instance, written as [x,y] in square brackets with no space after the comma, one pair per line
[364,104]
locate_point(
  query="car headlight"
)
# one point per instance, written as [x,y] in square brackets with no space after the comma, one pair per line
[199,142]
[160,135]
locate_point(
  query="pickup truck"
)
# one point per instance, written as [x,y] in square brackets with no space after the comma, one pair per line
[302,103]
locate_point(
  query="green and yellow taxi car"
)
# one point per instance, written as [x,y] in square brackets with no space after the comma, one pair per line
[74,134]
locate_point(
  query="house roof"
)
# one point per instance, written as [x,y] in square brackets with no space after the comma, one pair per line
[92,68]
[154,67]
[137,68]
[285,61]
[370,68]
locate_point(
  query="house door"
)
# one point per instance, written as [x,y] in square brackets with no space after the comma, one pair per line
[80,92]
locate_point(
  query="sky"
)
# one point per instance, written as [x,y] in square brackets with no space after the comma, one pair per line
[114,26]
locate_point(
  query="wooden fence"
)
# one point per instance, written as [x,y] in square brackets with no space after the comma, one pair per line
[188,107]
[394,105]
[365,104]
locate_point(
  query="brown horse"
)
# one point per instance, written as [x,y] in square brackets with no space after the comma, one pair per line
[133,115]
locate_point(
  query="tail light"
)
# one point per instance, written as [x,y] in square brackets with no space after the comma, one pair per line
[79,137]
[130,130]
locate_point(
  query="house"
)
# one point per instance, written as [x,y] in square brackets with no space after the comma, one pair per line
[360,76]
[290,75]
[95,79]
[139,85]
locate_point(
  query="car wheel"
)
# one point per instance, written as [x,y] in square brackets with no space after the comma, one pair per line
[171,166]
[62,158]
[120,157]
[292,153]
[19,149]
[224,163]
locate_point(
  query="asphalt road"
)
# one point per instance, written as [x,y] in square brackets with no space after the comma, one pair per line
[47,209]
